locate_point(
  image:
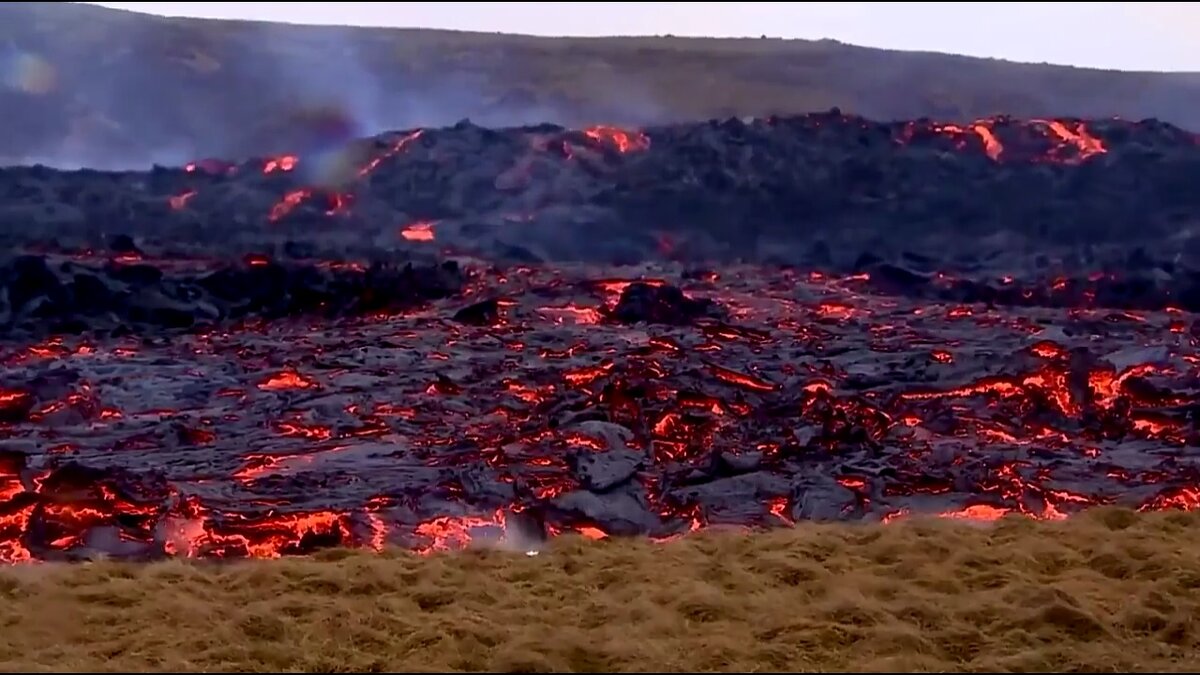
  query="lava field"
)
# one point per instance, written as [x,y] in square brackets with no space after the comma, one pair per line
[444,336]
[821,189]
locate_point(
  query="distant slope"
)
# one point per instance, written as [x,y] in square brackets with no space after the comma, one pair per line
[81,84]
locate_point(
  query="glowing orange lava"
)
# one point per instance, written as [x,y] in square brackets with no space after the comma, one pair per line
[418,231]
[624,141]
[280,164]
[180,200]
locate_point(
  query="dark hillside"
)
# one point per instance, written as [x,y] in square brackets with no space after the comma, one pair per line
[85,85]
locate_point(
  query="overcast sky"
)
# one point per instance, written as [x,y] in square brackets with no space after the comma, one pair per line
[1121,35]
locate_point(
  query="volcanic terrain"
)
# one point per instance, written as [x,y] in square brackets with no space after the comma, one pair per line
[443,335]
[74,77]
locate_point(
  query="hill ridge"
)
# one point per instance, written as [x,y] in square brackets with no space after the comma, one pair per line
[91,86]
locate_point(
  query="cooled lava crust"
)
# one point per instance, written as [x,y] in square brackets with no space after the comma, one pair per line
[440,336]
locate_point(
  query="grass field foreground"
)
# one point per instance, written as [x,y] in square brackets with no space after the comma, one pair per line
[1106,591]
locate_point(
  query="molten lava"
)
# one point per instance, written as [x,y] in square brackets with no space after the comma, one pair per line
[180,200]
[1084,144]
[289,202]
[624,141]
[252,401]
[418,231]
[281,164]
[545,410]
[1064,142]
[396,148]
[999,139]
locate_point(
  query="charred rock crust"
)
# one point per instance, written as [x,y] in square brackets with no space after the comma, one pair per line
[818,189]
[41,293]
[1006,212]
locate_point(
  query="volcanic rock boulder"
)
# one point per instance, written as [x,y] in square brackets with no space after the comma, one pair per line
[56,294]
[652,303]
[484,313]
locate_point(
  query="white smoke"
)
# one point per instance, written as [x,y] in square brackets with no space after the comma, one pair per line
[152,99]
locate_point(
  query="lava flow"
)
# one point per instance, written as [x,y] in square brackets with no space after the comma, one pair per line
[572,399]
[1026,143]
[459,336]
[624,141]
[1057,141]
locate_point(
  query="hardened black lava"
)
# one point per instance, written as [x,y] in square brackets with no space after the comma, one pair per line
[820,189]
[61,294]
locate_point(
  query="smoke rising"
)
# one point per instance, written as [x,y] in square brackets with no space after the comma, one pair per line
[126,90]
[174,91]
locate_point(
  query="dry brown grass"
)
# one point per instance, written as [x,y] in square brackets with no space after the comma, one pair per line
[1108,591]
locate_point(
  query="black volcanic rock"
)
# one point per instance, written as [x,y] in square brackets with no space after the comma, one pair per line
[642,302]
[826,189]
[923,209]
[122,243]
[45,293]
[482,313]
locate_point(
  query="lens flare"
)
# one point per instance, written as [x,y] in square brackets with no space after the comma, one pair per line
[28,73]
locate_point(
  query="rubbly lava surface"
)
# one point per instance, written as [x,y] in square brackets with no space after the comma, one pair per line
[468,334]
[545,400]
[820,188]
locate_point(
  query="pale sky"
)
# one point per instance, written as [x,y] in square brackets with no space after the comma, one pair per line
[1120,35]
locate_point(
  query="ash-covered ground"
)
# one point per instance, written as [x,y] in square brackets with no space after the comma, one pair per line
[457,334]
